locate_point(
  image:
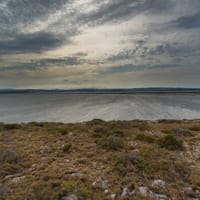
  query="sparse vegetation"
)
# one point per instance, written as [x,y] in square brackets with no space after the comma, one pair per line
[178,132]
[96,122]
[11,126]
[63,131]
[145,138]
[170,142]
[77,187]
[112,143]
[97,159]
[9,156]
[169,121]
[195,128]
[66,148]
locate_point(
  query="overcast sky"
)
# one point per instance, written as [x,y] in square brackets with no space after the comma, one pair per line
[99,43]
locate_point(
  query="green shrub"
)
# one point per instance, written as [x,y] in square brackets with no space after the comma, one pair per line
[11,126]
[71,185]
[105,131]
[112,143]
[117,132]
[120,163]
[96,122]
[195,128]
[182,132]
[63,131]
[168,121]
[9,156]
[145,138]
[77,187]
[100,131]
[66,148]
[46,190]
[40,124]
[178,132]
[170,142]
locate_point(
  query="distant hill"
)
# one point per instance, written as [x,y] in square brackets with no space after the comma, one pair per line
[104,91]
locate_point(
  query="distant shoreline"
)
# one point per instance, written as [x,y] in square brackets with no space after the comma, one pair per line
[105,91]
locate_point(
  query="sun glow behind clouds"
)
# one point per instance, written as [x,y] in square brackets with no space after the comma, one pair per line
[92,43]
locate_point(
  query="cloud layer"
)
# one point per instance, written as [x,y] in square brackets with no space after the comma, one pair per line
[93,43]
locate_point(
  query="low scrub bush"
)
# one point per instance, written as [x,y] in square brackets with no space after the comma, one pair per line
[195,128]
[67,148]
[168,121]
[11,126]
[141,125]
[120,163]
[9,156]
[112,143]
[178,132]
[63,131]
[145,138]
[170,142]
[95,122]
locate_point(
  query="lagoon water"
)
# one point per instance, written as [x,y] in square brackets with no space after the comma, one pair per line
[64,107]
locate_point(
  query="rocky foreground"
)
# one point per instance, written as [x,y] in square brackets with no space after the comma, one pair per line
[100,160]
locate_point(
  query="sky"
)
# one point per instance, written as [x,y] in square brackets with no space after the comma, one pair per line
[99,43]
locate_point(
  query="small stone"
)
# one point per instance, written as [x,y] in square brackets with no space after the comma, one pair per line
[33,165]
[159,183]
[45,149]
[17,179]
[70,197]
[10,176]
[132,193]
[113,196]
[70,134]
[94,164]
[106,191]
[104,184]
[124,192]
[94,184]
[78,175]
[100,184]
[143,191]
[161,197]
[190,192]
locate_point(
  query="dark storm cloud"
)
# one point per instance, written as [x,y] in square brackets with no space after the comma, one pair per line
[17,13]
[45,64]
[187,22]
[132,67]
[24,11]
[119,10]
[31,43]
[67,81]
[174,50]
[73,60]
[165,29]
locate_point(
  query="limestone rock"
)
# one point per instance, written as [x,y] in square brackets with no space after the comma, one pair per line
[159,184]
[70,197]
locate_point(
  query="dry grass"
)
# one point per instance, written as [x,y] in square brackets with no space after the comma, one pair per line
[52,160]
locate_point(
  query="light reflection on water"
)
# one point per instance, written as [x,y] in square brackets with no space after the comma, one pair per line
[83,107]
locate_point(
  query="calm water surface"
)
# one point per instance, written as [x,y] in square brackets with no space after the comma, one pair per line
[62,107]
